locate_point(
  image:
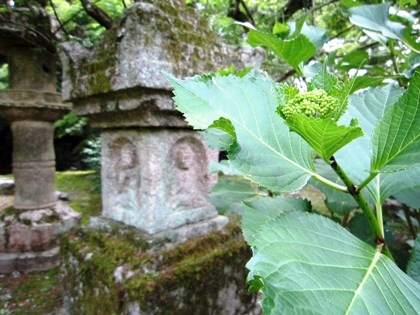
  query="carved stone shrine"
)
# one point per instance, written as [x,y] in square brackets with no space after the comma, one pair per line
[29,230]
[154,167]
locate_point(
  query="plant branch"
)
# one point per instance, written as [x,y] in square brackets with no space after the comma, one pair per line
[97,14]
[58,18]
[364,205]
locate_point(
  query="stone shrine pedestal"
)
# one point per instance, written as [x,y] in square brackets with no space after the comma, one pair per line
[154,168]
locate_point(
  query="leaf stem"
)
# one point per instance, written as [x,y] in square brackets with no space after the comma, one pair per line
[364,205]
[366,181]
[330,183]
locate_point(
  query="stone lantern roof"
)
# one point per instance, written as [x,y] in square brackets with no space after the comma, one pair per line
[26,45]
[26,26]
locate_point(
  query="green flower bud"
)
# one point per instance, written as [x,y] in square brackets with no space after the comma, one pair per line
[316,103]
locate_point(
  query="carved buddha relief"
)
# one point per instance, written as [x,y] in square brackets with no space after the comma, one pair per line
[188,175]
[124,174]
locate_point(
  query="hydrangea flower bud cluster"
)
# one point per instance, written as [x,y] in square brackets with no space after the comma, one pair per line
[316,103]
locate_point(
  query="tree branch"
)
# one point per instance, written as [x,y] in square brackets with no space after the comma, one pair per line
[97,14]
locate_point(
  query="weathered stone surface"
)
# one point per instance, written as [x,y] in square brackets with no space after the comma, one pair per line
[2,237]
[33,105]
[33,164]
[24,238]
[36,261]
[153,36]
[155,179]
[204,275]
[28,238]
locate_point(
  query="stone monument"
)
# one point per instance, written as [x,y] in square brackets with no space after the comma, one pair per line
[154,167]
[29,230]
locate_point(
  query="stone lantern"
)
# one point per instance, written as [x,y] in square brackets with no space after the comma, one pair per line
[154,166]
[29,230]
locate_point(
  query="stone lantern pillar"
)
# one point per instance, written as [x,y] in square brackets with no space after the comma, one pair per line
[29,230]
[154,166]
[32,72]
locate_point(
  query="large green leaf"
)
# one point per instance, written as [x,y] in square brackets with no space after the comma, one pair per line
[293,51]
[396,139]
[260,211]
[264,150]
[325,136]
[307,264]
[375,18]
[369,107]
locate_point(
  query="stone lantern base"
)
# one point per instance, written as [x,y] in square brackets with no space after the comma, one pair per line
[29,238]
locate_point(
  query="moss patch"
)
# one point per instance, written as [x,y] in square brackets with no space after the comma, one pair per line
[187,278]
[36,294]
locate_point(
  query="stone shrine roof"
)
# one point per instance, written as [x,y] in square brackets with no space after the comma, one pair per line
[152,36]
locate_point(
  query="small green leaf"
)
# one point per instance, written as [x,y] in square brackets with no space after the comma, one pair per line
[411,41]
[325,136]
[323,81]
[353,59]
[293,51]
[310,265]
[281,29]
[362,82]
[396,139]
[217,139]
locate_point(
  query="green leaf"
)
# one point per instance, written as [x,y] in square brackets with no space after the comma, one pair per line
[413,266]
[316,35]
[293,51]
[353,59]
[323,81]
[411,41]
[396,139]
[323,135]
[228,194]
[369,107]
[351,3]
[362,82]
[264,150]
[216,138]
[310,265]
[260,211]
[375,18]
